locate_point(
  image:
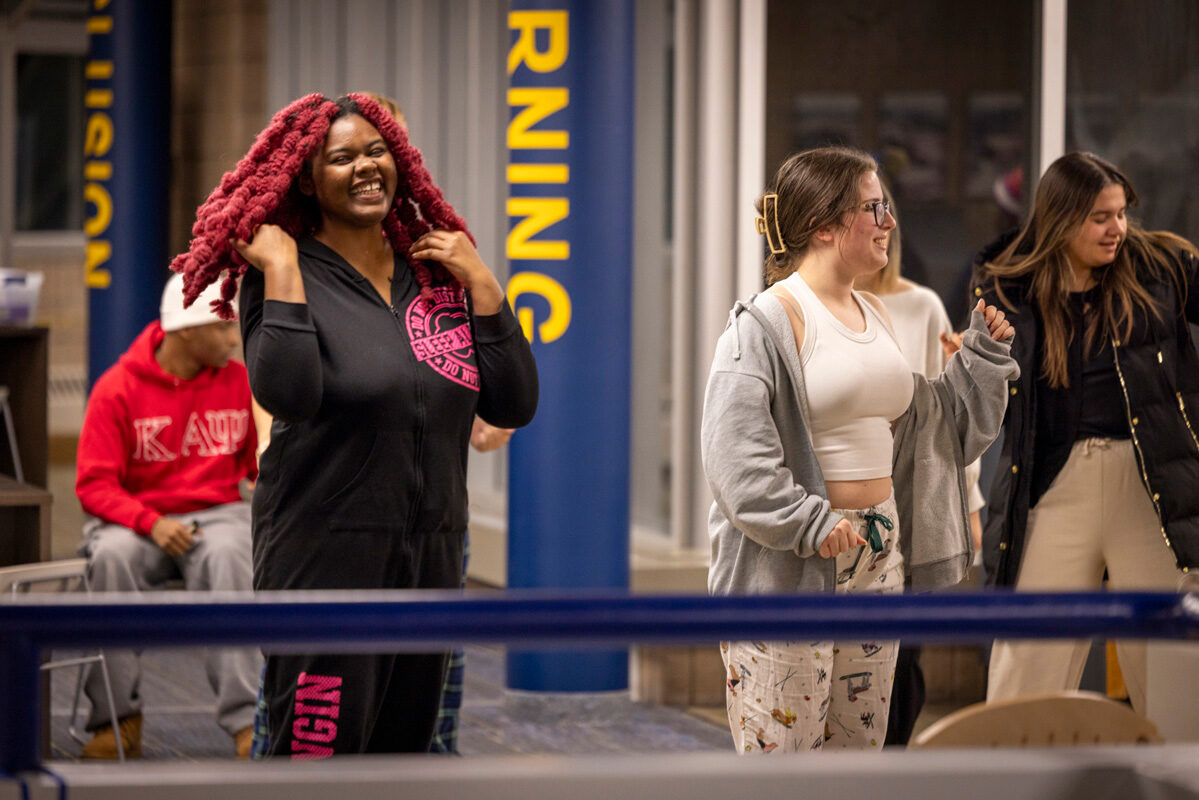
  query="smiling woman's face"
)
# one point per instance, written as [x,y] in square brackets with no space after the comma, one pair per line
[862,243]
[1098,239]
[353,176]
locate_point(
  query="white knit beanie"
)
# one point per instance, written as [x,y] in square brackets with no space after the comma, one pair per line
[174,316]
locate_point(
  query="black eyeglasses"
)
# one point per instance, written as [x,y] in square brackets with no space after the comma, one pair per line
[880,208]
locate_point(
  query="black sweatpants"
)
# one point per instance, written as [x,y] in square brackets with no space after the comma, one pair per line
[907,696]
[322,705]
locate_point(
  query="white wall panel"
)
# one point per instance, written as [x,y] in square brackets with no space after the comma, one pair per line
[318,50]
[649,427]
[686,513]
[410,82]
[1051,88]
[443,62]
[719,136]
[367,45]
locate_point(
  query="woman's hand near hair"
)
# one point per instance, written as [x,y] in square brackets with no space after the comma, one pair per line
[273,252]
[841,539]
[1000,328]
[453,250]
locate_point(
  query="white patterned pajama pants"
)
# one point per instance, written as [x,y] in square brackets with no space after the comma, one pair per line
[797,696]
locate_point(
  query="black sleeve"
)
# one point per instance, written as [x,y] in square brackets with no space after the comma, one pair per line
[282,353]
[508,386]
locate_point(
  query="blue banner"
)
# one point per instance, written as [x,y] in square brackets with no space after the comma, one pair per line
[569,246]
[126,167]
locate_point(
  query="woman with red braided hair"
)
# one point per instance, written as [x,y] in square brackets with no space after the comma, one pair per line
[373,334]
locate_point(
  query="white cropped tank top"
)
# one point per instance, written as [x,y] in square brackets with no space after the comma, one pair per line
[857,383]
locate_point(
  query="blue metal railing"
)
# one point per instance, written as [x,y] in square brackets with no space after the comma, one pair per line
[390,621]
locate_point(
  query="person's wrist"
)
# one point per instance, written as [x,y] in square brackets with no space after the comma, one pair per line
[486,294]
[280,265]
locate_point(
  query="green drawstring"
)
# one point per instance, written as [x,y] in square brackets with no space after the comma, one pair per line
[872,534]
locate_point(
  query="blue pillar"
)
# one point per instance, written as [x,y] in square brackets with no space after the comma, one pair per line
[126,168]
[570,196]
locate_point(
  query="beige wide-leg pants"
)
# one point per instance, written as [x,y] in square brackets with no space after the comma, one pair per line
[1096,514]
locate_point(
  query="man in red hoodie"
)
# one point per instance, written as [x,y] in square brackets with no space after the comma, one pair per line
[166,441]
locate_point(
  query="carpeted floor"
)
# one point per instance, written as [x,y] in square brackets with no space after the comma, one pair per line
[180,707]
[179,716]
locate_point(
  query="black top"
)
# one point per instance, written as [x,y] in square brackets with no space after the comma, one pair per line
[1102,414]
[373,408]
[1091,406]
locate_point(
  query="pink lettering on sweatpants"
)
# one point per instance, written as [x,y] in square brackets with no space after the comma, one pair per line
[318,703]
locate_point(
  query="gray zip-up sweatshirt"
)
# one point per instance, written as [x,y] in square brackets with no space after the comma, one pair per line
[771,511]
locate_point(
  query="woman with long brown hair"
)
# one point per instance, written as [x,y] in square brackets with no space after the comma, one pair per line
[1101,457]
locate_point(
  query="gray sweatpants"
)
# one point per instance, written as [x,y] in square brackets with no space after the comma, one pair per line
[122,561]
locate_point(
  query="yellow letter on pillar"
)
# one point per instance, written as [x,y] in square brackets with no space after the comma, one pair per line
[538,173]
[549,290]
[525,48]
[97,137]
[98,252]
[539,213]
[98,196]
[540,104]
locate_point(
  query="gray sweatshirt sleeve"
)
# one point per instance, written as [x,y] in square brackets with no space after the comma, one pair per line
[744,461]
[975,384]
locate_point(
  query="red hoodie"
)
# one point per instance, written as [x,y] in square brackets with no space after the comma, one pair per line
[154,444]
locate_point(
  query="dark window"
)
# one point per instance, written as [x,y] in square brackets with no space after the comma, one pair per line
[49,163]
[1131,81]
[942,98]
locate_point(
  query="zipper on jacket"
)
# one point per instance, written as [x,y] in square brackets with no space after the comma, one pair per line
[1185,418]
[418,439]
[1182,408]
[1137,444]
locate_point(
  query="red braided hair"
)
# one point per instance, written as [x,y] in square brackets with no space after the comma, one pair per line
[262,189]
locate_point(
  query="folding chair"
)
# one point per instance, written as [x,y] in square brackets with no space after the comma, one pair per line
[1053,720]
[11,432]
[69,575]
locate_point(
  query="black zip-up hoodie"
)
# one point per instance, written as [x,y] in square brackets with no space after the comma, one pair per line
[373,408]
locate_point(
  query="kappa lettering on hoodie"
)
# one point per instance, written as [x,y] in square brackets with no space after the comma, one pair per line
[154,444]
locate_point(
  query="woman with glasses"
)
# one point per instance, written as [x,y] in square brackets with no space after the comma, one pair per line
[817,439]
[1100,456]
[927,340]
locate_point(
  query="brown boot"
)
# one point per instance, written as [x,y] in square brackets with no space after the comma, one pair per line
[243,740]
[104,741]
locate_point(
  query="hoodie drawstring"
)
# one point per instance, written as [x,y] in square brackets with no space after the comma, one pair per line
[737,308]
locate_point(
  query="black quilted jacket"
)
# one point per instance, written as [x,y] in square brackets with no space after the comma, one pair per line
[1159,373]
